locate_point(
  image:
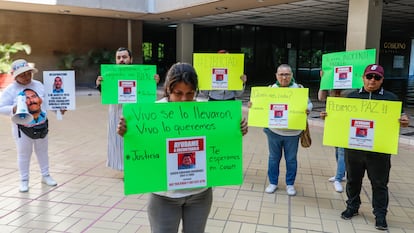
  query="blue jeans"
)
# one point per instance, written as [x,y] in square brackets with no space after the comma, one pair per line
[340,163]
[289,144]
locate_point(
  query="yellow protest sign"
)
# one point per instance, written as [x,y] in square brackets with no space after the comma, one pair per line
[218,71]
[362,124]
[278,107]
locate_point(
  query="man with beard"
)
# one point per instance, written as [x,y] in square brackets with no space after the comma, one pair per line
[115,157]
[33,134]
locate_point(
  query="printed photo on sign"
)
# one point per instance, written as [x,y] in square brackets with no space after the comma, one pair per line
[342,77]
[60,89]
[186,160]
[127,91]
[219,78]
[186,163]
[278,116]
[361,134]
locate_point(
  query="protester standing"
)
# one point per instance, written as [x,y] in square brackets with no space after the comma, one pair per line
[191,206]
[218,95]
[32,135]
[283,140]
[115,157]
[339,151]
[377,165]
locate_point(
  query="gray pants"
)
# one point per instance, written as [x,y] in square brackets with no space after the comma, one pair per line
[165,213]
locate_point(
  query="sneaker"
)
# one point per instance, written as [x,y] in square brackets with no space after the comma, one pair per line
[24,186]
[338,187]
[348,214]
[290,190]
[49,181]
[271,188]
[381,224]
[332,179]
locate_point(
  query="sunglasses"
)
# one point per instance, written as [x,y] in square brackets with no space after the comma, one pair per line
[370,76]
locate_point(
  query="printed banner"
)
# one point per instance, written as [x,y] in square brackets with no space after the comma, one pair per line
[278,107]
[128,84]
[59,89]
[218,71]
[180,145]
[362,124]
[344,70]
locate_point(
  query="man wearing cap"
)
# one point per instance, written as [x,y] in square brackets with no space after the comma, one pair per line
[376,164]
[34,91]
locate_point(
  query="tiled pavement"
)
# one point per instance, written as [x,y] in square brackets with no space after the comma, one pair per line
[89,196]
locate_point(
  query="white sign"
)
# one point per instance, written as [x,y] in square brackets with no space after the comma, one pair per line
[60,89]
[342,77]
[186,163]
[278,115]
[219,78]
[127,91]
[361,134]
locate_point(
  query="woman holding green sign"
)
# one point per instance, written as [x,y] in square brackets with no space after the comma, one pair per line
[192,206]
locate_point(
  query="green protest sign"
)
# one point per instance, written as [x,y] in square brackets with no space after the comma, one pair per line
[162,138]
[128,84]
[344,70]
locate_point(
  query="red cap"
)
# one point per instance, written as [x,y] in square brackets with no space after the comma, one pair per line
[374,69]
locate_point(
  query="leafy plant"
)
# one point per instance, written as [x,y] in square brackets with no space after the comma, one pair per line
[6,50]
[101,56]
[92,58]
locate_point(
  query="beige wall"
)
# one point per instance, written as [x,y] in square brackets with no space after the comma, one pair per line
[51,35]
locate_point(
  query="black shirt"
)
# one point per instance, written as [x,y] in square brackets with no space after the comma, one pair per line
[379,94]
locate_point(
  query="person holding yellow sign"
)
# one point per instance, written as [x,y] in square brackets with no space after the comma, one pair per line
[285,140]
[377,165]
[191,206]
[218,95]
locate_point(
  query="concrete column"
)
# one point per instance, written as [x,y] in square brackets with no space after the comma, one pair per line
[364,25]
[185,42]
[129,29]
[135,40]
